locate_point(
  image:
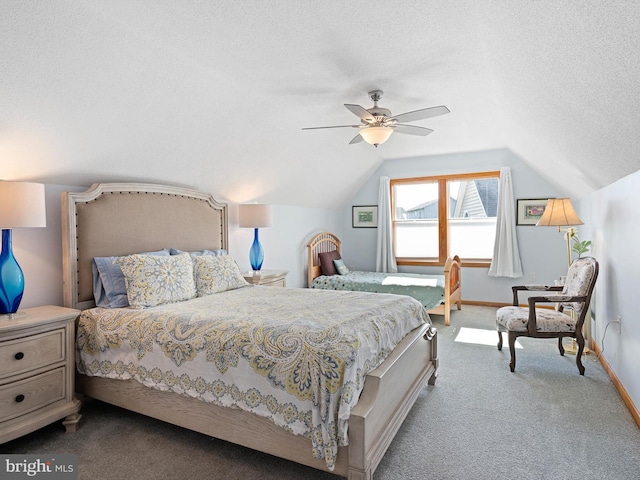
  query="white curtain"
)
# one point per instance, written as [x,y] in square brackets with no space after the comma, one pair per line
[385,259]
[506,256]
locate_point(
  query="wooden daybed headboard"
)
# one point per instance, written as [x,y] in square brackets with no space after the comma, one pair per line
[112,219]
[321,243]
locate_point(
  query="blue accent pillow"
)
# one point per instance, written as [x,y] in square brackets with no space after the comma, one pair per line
[341,267]
[109,289]
[217,253]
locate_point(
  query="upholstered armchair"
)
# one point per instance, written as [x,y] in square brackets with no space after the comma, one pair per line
[540,322]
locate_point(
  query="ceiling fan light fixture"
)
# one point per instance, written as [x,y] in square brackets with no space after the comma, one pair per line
[376,135]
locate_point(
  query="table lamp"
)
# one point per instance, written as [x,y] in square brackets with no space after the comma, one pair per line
[255,215]
[21,205]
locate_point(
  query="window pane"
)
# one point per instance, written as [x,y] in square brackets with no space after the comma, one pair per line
[416,200]
[417,239]
[472,239]
[473,206]
[416,216]
[473,198]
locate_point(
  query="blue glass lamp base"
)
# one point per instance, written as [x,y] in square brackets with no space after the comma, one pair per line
[11,277]
[256,254]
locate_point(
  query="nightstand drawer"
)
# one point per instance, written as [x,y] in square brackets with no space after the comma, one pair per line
[279,282]
[24,396]
[28,353]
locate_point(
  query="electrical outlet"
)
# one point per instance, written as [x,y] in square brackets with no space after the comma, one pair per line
[532,277]
[618,323]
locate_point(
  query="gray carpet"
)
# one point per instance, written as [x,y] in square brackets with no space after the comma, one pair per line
[479,421]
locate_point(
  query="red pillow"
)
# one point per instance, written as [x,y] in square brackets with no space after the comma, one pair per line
[326,262]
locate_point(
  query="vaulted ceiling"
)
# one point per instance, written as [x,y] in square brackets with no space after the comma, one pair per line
[214,94]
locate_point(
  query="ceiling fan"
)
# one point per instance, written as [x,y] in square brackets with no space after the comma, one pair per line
[377,123]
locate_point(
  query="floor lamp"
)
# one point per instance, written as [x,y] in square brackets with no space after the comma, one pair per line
[560,213]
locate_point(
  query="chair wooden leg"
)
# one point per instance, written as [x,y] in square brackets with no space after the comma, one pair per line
[512,349]
[560,346]
[499,340]
[580,340]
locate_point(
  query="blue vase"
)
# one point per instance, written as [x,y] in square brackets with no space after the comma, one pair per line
[11,277]
[256,254]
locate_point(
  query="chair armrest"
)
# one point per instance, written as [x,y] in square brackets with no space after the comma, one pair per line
[555,299]
[534,287]
[532,325]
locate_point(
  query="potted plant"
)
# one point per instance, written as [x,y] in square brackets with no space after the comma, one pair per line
[579,246]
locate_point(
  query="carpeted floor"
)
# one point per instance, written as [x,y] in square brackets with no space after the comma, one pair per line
[479,421]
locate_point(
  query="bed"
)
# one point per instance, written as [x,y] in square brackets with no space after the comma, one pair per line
[437,293]
[120,219]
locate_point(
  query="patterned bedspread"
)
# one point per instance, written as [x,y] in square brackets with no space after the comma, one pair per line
[427,289]
[296,356]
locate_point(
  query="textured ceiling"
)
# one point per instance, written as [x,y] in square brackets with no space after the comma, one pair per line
[214,94]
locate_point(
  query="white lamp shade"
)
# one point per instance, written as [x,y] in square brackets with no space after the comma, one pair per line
[255,215]
[559,212]
[376,135]
[22,205]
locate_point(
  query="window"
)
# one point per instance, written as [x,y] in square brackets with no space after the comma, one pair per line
[434,217]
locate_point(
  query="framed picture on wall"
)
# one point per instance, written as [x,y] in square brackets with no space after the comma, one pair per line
[365,216]
[530,210]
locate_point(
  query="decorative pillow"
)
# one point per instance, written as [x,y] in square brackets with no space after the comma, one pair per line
[220,251]
[326,262]
[216,274]
[155,280]
[341,267]
[109,289]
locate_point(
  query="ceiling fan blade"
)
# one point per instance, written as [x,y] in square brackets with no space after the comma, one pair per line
[356,139]
[361,112]
[332,126]
[412,129]
[421,114]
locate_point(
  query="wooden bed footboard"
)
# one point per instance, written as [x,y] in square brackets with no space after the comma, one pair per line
[452,289]
[327,242]
[389,393]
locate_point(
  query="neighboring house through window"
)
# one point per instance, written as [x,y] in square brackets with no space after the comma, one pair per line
[434,217]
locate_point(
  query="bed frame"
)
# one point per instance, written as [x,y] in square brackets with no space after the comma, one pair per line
[327,242]
[122,218]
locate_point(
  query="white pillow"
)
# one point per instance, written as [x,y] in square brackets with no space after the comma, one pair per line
[155,280]
[214,274]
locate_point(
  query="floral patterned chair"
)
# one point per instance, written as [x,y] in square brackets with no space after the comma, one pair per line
[539,322]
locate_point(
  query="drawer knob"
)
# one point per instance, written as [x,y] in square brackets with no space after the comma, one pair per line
[19,398]
[19,356]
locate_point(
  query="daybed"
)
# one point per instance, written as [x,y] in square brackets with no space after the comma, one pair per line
[121,219]
[437,293]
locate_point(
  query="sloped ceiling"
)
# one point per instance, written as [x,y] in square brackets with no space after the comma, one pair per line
[214,94]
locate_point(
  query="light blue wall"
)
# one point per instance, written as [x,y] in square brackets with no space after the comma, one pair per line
[611,215]
[535,243]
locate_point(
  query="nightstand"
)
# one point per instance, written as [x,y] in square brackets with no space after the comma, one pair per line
[37,370]
[272,278]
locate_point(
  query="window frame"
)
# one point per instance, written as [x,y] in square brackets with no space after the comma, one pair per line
[443,209]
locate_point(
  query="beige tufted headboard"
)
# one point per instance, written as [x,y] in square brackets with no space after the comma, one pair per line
[112,219]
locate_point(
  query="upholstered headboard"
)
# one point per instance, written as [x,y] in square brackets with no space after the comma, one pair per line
[112,219]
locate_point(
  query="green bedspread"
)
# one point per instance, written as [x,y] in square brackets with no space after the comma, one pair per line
[427,289]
